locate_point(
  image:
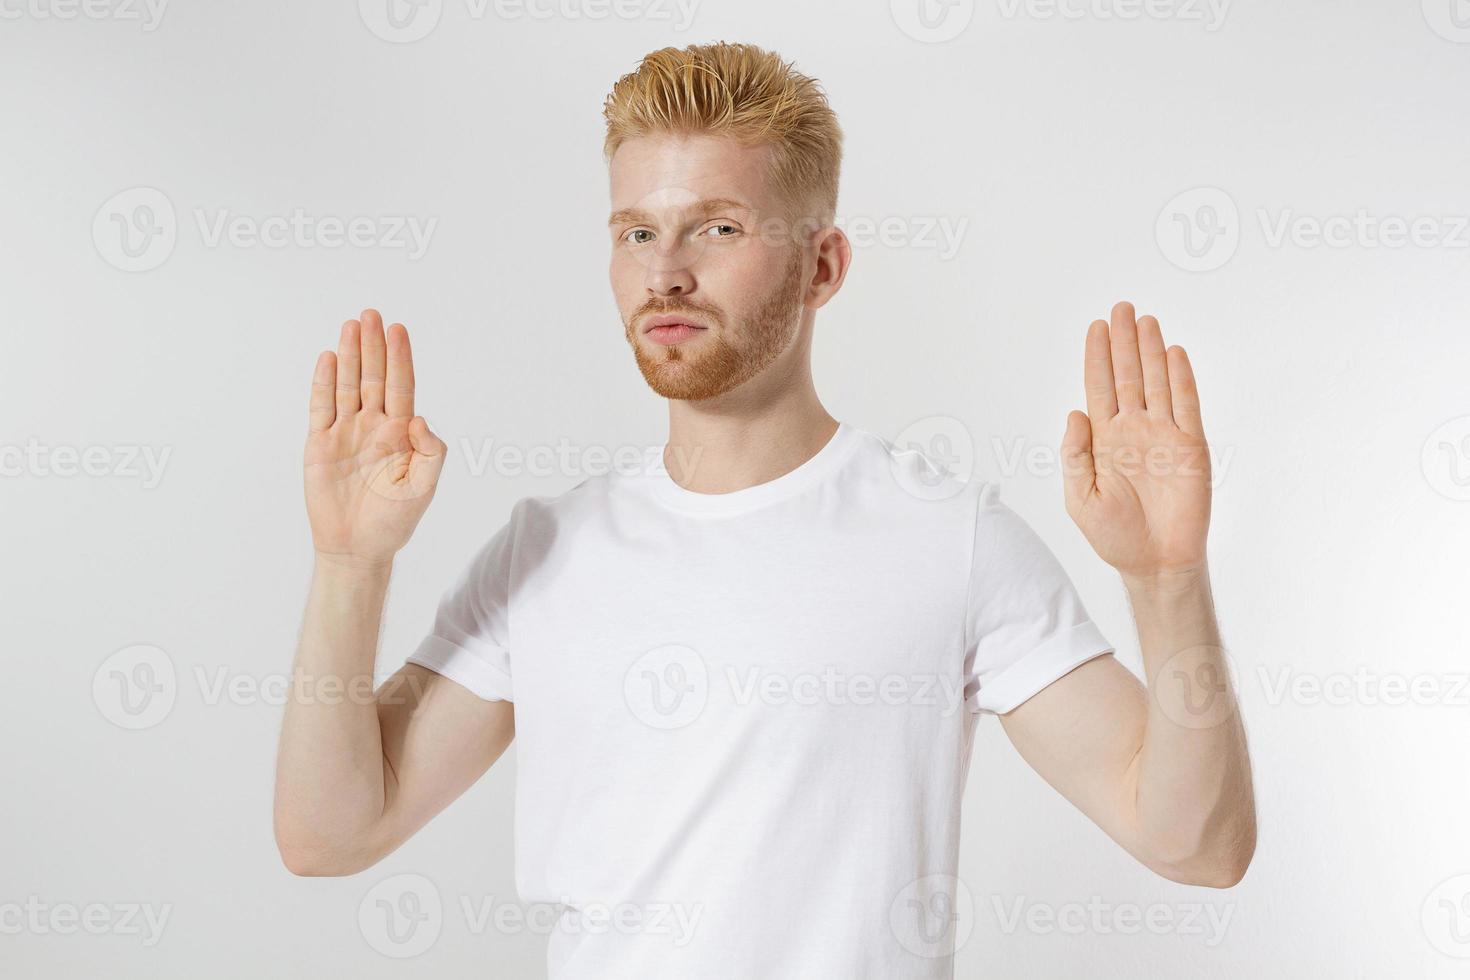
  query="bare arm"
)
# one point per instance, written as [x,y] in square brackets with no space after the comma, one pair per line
[359,771]
[1165,770]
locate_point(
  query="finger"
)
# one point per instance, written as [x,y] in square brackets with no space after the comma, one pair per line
[1155,367]
[1079,476]
[349,368]
[1184,393]
[1127,371]
[1097,374]
[374,361]
[430,452]
[400,373]
[323,410]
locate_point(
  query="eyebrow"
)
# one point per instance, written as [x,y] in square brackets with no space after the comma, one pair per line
[704,207]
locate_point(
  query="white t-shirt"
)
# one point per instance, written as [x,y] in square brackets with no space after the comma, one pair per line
[744,720]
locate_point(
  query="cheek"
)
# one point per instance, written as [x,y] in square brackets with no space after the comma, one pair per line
[626,278]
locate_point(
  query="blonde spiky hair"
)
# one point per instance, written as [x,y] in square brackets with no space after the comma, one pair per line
[740,91]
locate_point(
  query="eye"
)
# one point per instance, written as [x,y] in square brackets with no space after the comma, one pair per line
[638,231]
[730,228]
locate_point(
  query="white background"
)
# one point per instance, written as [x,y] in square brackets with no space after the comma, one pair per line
[1333,380]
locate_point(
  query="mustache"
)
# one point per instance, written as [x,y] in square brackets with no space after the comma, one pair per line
[661,307]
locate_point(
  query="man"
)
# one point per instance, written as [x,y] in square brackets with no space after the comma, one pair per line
[744,686]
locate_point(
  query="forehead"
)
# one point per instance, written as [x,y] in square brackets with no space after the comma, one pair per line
[670,171]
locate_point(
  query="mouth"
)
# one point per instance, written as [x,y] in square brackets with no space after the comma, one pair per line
[671,328]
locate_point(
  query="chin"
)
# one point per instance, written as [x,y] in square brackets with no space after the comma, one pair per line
[684,380]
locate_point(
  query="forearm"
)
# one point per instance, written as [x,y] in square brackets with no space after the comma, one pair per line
[330,768]
[1192,776]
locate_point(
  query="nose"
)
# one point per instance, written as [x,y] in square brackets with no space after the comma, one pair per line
[670,271]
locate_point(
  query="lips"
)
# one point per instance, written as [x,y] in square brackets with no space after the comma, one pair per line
[670,320]
[671,328]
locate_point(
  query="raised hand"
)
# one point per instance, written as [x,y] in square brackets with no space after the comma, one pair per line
[1136,465]
[371,464]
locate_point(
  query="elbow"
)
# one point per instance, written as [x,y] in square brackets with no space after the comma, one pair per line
[308,856]
[315,862]
[1220,866]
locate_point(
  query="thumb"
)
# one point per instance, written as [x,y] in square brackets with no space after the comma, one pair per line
[429,450]
[1078,474]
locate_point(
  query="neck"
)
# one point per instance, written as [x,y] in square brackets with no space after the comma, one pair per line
[747,437]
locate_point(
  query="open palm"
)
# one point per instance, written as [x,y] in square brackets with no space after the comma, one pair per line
[1137,467]
[371,464]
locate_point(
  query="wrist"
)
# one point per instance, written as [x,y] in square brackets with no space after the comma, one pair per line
[1167,582]
[352,564]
